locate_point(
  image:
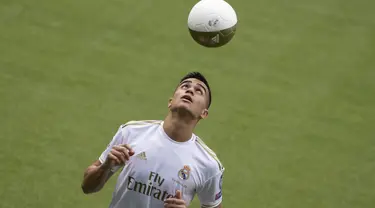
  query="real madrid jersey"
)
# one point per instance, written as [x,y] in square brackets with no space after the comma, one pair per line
[161,166]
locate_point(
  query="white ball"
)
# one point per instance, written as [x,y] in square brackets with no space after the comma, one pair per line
[212,23]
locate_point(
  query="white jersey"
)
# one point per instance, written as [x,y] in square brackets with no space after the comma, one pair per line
[161,166]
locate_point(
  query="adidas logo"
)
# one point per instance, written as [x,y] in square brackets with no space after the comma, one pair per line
[142,156]
[216,38]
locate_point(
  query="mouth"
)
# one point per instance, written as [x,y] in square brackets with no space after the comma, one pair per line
[187,98]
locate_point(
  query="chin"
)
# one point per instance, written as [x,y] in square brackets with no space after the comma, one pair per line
[182,109]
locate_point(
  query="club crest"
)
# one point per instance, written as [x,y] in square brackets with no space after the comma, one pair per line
[184,173]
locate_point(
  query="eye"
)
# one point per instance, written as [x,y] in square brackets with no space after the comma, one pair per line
[200,91]
[184,86]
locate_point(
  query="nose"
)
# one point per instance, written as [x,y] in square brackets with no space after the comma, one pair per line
[189,91]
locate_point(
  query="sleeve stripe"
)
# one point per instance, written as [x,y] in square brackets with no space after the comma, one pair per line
[140,123]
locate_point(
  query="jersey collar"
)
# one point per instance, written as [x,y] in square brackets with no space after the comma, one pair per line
[165,135]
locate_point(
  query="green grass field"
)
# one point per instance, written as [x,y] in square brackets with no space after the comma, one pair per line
[293,113]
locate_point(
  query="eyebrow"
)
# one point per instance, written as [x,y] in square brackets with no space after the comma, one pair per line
[189,81]
[203,88]
[186,81]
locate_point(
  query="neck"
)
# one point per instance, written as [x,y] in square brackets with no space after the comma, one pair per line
[179,128]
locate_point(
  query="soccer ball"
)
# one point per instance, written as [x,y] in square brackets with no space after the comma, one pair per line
[212,23]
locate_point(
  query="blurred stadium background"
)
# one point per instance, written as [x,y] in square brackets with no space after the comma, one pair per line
[293,109]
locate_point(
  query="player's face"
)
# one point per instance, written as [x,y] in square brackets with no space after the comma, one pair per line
[191,96]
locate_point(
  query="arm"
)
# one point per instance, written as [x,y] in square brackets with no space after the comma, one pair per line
[95,176]
[115,156]
[210,193]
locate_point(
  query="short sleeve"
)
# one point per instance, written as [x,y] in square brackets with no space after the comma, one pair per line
[210,194]
[120,137]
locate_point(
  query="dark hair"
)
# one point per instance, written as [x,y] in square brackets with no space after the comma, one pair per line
[200,77]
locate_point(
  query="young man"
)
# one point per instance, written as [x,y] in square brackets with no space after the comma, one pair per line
[164,163]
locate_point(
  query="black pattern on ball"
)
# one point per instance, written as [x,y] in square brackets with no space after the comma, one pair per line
[214,39]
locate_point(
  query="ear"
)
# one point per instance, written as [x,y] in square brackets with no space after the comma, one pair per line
[170,102]
[204,114]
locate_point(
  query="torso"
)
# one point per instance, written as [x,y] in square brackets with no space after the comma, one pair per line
[159,167]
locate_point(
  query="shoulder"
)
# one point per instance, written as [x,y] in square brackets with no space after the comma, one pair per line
[139,124]
[209,158]
[135,123]
[135,127]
